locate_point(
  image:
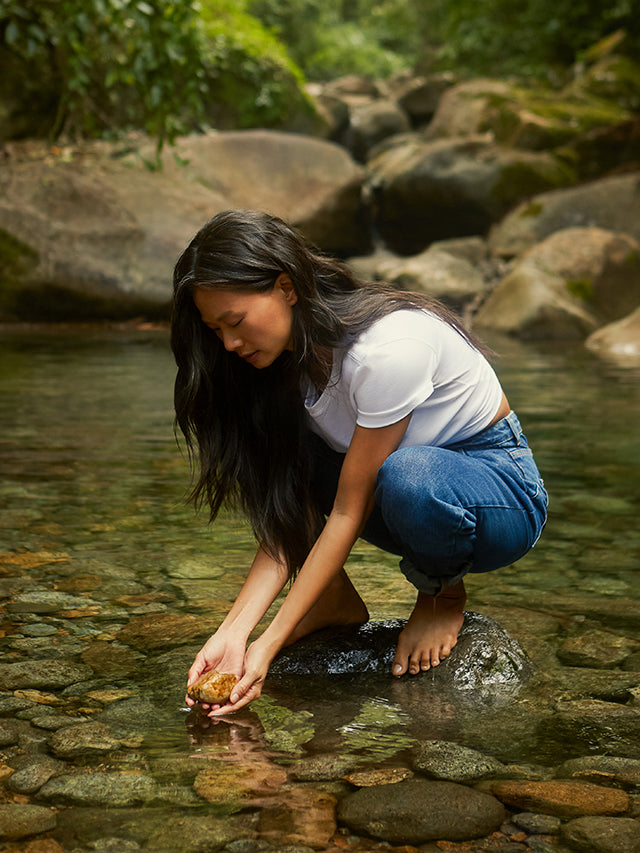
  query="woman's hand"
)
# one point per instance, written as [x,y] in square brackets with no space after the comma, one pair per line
[256,665]
[222,653]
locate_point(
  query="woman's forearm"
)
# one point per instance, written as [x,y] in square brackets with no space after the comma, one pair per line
[325,561]
[264,582]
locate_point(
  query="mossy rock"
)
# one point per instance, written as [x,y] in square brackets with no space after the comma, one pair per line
[16,259]
[614,79]
[253,80]
[537,119]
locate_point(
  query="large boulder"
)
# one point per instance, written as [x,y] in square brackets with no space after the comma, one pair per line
[420,97]
[619,341]
[371,123]
[574,281]
[520,116]
[453,280]
[604,150]
[611,203]
[427,191]
[95,232]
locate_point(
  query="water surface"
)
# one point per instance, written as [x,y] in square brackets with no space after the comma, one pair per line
[92,486]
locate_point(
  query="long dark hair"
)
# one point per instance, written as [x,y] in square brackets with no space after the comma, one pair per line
[245,428]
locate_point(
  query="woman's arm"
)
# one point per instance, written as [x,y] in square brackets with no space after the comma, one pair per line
[225,649]
[353,503]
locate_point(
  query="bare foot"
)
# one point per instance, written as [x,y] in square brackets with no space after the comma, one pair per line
[432,630]
[340,604]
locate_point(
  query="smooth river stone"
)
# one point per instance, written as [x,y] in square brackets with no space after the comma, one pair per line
[484,656]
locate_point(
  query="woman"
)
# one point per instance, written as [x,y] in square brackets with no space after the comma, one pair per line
[328,409]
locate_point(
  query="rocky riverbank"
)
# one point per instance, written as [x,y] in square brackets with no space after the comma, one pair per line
[516,206]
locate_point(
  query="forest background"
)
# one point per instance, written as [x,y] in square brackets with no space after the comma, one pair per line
[90,68]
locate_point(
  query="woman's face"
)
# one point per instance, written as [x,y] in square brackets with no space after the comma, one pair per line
[255,326]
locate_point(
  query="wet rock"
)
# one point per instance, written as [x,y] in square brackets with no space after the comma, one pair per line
[83,741]
[603,769]
[418,811]
[322,768]
[10,704]
[537,824]
[213,687]
[303,816]
[42,674]
[591,724]
[562,799]
[485,656]
[31,778]
[20,821]
[382,776]
[228,784]
[45,647]
[454,762]
[48,601]
[131,717]
[8,736]
[619,341]
[53,722]
[603,834]
[39,629]
[595,649]
[100,789]
[112,660]
[160,631]
[196,834]
[247,845]
[115,845]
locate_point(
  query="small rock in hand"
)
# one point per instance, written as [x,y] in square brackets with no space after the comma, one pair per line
[213,687]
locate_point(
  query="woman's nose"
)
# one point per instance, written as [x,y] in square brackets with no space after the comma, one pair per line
[231,341]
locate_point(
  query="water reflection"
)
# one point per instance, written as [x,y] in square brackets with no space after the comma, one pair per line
[92,484]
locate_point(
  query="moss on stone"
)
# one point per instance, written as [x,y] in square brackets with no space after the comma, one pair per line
[538,118]
[16,259]
[534,208]
[581,288]
[254,81]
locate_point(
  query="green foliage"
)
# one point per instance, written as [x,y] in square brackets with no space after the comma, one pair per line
[329,38]
[110,63]
[164,66]
[254,80]
[507,36]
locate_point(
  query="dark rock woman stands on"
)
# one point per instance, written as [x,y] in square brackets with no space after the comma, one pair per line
[327,410]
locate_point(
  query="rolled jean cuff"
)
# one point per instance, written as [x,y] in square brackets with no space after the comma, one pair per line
[430,584]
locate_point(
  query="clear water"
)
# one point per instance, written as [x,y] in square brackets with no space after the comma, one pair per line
[92,486]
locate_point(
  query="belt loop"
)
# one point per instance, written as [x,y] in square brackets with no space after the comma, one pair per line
[517,432]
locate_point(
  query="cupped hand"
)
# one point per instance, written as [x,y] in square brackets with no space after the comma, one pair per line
[222,653]
[256,666]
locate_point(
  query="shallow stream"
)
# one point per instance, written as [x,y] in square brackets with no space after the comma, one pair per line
[95,539]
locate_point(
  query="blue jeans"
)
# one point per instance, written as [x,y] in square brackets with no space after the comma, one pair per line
[473,506]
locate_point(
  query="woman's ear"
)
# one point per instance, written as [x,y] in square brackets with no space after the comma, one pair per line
[284,283]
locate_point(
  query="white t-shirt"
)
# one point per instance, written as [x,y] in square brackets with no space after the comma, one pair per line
[409,361]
